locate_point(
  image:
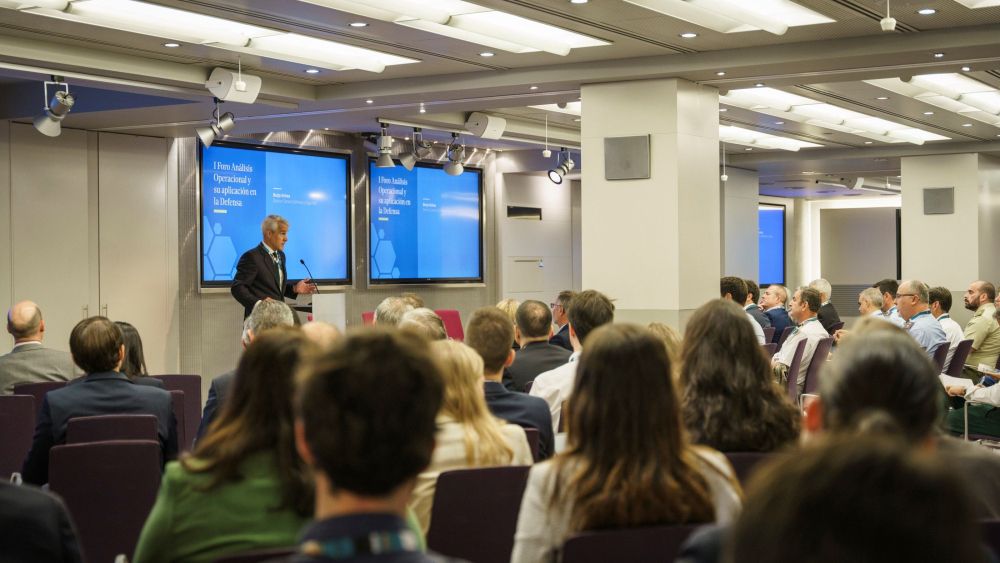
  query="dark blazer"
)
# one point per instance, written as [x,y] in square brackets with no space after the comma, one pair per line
[561,338]
[148,381]
[533,359]
[256,279]
[98,393]
[779,320]
[216,395]
[35,526]
[523,410]
[758,315]
[828,316]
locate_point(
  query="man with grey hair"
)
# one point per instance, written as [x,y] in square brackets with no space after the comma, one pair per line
[260,273]
[869,305]
[265,315]
[391,310]
[29,361]
[425,322]
[827,313]
[912,299]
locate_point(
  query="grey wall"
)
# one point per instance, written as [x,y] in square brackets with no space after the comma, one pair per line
[740,245]
[858,246]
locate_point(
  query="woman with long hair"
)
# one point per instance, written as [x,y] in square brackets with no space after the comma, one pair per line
[729,400]
[134,363]
[468,435]
[628,462]
[244,487]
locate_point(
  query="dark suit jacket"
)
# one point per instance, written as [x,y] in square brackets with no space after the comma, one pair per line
[148,381]
[561,338]
[779,320]
[828,316]
[758,315]
[34,526]
[523,410]
[533,359]
[98,393]
[216,395]
[256,279]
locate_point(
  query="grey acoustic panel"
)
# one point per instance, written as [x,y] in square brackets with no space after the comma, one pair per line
[626,158]
[939,201]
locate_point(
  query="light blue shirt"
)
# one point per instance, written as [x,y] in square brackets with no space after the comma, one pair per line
[893,317]
[927,331]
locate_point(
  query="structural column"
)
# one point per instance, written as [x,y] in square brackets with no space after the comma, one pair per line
[652,244]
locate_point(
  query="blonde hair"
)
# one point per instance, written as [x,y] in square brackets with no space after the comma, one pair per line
[671,339]
[509,306]
[462,373]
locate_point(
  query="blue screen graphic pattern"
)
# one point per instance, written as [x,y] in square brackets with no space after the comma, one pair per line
[771,240]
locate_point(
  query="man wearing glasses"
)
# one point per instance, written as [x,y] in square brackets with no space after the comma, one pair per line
[559,311]
[913,302]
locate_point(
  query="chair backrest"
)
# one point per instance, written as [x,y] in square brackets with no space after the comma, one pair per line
[793,372]
[784,335]
[38,390]
[770,348]
[636,545]
[746,463]
[452,323]
[835,327]
[940,355]
[191,386]
[177,402]
[368,317]
[256,555]
[561,424]
[106,427]
[533,436]
[17,426]
[527,386]
[462,498]
[769,334]
[816,364]
[109,489]
[991,534]
[962,351]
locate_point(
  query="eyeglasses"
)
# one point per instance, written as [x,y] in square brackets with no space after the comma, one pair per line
[898,295]
[553,305]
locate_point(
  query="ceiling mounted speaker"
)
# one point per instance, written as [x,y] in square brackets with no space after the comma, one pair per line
[485,126]
[233,87]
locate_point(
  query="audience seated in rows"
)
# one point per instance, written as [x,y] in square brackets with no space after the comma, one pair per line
[425,322]
[98,347]
[751,306]
[468,434]
[489,333]
[560,317]
[735,289]
[982,328]
[804,309]
[729,400]
[35,527]
[588,310]
[391,310]
[134,364]
[827,313]
[773,302]
[29,361]
[940,301]
[535,355]
[244,487]
[888,289]
[628,462]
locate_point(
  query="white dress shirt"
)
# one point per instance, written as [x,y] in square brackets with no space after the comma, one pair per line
[953,331]
[555,387]
[812,331]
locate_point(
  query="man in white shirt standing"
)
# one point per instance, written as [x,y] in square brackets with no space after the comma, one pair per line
[804,309]
[940,299]
[587,311]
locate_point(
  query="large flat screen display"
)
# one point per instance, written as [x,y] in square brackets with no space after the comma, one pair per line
[241,184]
[771,240]
[425,226]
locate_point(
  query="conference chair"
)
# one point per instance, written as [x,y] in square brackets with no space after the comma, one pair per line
[38,390]
[533,437]
[527,386]
[940,355]
[636,545]
[784,335]
[835,327]
[177,402]
[965,424]
[961,354]
[819,358]
[793,371]
[17,426]
[769,334]
[109,489]
[103,428]
[368,318]
[745,464]
[770,348]
[462,498]
[257,555]
[452,323]
[191,386]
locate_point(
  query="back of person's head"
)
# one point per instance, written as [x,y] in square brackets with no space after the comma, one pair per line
[412,299]
[491,335]
[367,409]
[509,307]
[873,296]
[735,287]
[753,290]
[321,333]
[625,428]
[534,319]
[96,344]
[257,416]
[424,321]
[811,298]
[24,320]
[391,310]
[881,368]
[887,286]
[729,399]
[671,339]
[565,298]
[462,374]
[822,286]
[863,499]
[941,296]
[134,364]
[270,314]
[589,310]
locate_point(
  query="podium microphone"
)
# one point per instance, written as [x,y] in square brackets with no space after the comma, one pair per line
[303,262]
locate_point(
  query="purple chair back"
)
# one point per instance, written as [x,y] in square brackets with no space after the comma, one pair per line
[107,427]
[769,334]
[991,534]
[368,317]
[452,323]
[177,402]
[940,355]
[793,372]
[462,497]
[533,436]
[784,335]
[815,368]
[17,426]
[745,464]
[109,489]
[38,390]
[770,348]
[257,555]
[962,351]
[835,327]
[191,386]
[637,545]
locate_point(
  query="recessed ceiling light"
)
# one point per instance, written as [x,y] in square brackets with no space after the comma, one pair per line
[576,119]
[868,142]
[720,73]
[759,85]
[358,24]
[966,125]
[882,98]
[533,88]
[326,128]
[171,45]
[779,122]
[369,101]
[966,69]
[312,71]
[723,109]
[938,55]
[748,149]
[422,108]
[486,54]
[928,113]
[689,35]
[578,1]
[926,11]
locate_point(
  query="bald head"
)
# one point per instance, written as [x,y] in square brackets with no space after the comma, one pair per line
[24,321]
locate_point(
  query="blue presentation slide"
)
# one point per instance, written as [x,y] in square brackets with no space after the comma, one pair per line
[771,225]
[425,225]
[240,186]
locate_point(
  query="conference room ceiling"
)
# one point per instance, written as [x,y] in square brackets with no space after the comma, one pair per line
[826,62]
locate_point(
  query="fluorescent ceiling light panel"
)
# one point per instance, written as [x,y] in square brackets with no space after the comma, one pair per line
[731,16]
[170,23]
[750,138]
[28,4]
[469,22]
[979,3]
[572,108]
[952,92]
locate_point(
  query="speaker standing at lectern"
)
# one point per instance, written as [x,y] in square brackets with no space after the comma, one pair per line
[260,273]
